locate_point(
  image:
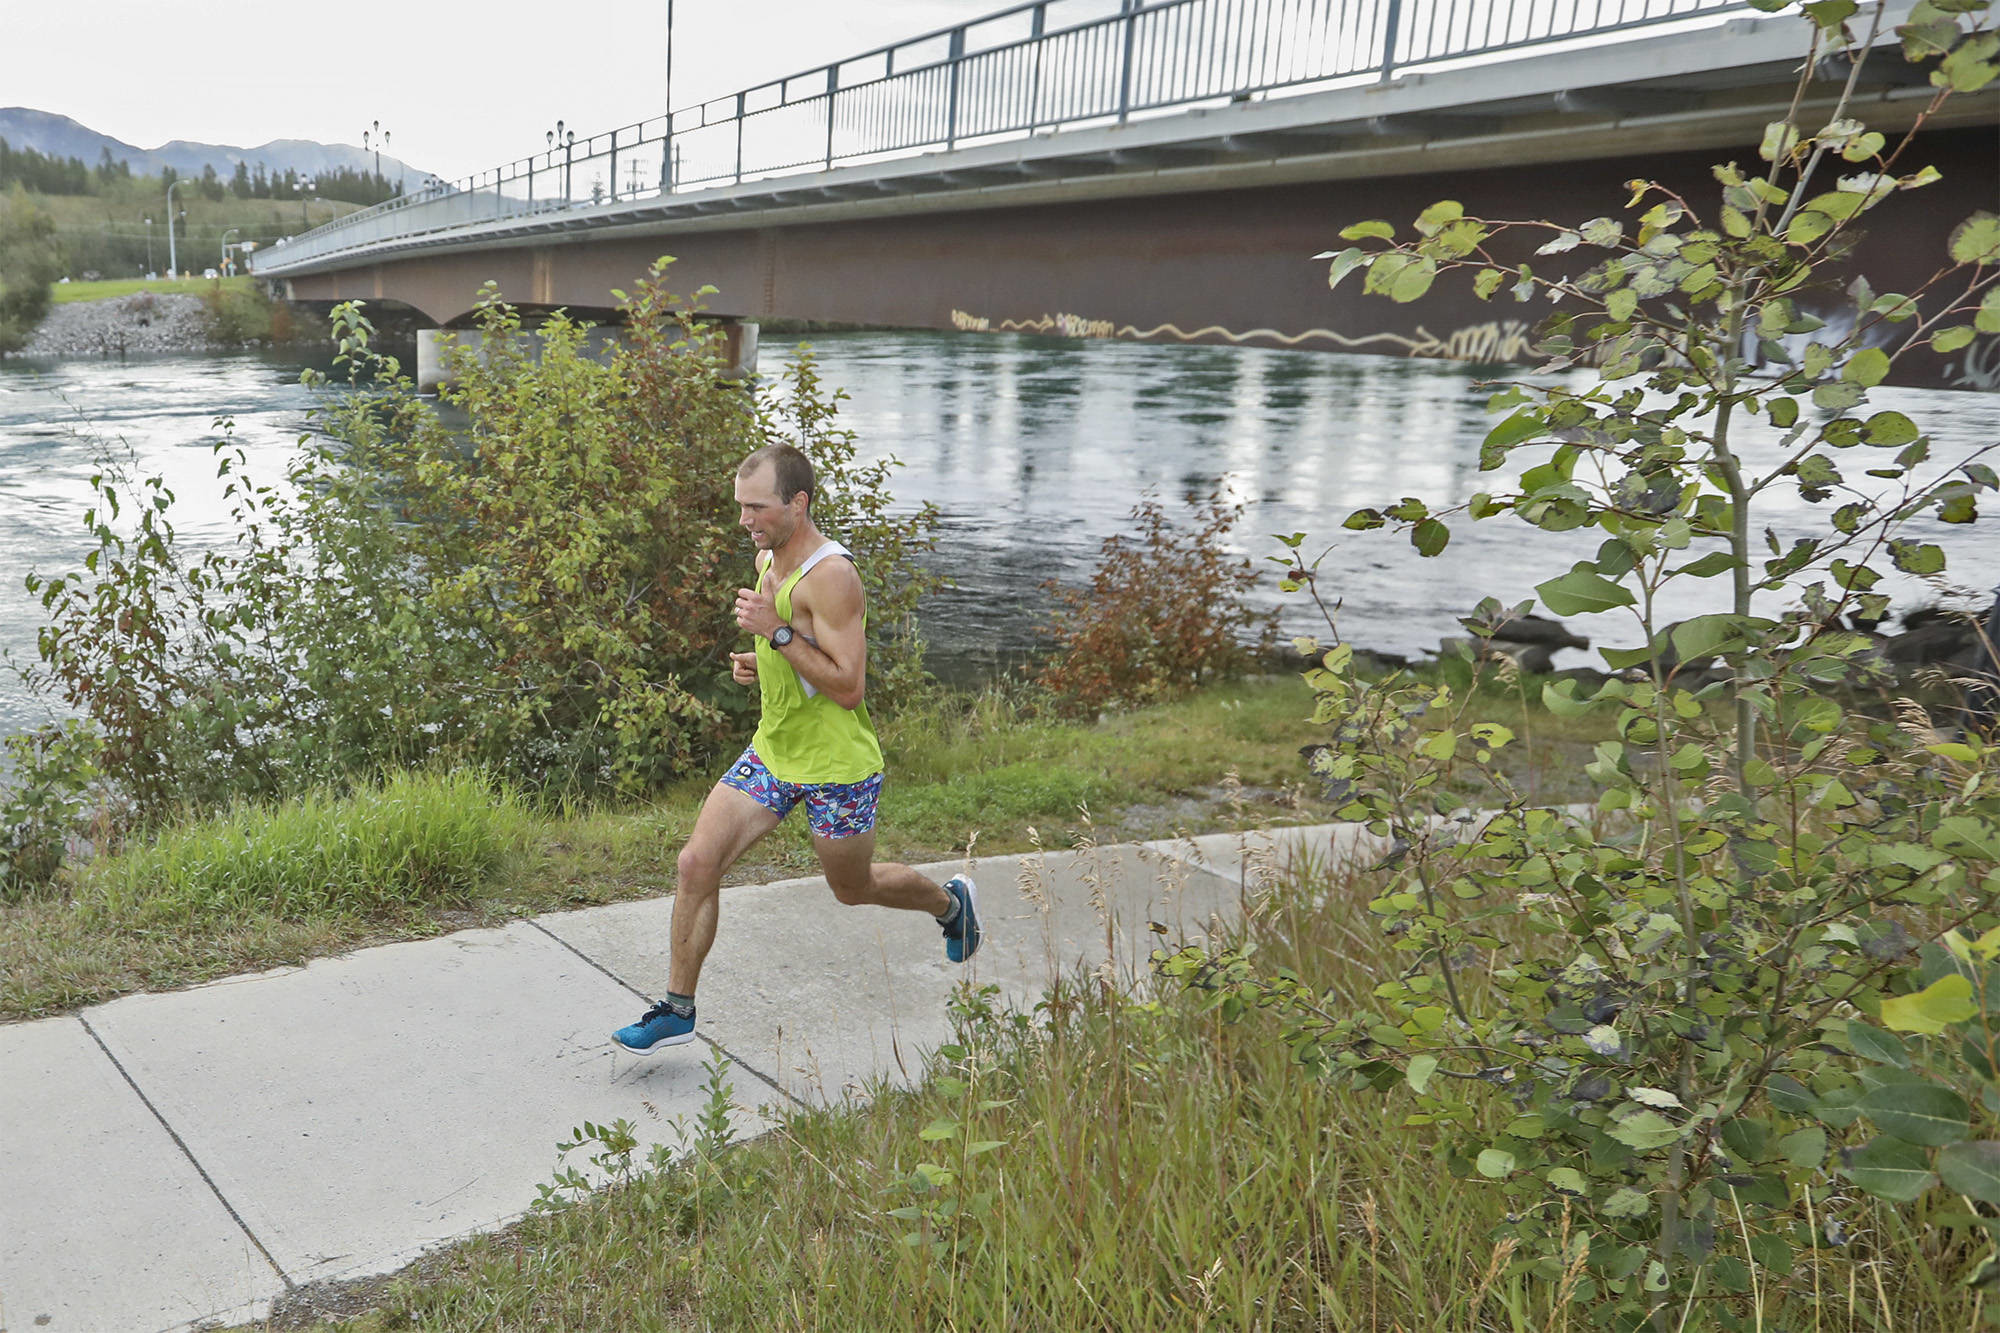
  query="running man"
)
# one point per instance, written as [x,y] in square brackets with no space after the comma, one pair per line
[814,743]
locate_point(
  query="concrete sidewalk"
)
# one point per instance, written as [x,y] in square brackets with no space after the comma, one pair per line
[173,1159]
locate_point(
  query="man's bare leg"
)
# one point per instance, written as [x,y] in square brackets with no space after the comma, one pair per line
[730,823]
[855,878]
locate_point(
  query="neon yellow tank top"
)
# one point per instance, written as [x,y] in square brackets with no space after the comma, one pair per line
[804,737]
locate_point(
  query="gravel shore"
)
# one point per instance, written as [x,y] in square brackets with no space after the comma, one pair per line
[143,322]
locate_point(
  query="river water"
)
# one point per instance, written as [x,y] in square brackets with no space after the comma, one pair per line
[1035,449]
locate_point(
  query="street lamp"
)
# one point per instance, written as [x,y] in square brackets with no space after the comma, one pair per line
[173,262]
[306,189]
[667,144]
[567,140]
[225,249]
[149,247]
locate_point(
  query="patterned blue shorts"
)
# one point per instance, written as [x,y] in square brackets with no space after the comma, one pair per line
[834,809]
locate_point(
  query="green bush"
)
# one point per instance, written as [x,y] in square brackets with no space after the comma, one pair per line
[1689,1035]
[536,580]
[414,841]
[30,262]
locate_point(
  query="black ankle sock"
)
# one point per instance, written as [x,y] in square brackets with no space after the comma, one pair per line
[681,1004]
[951,913]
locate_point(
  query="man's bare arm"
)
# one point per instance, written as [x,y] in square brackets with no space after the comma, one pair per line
[837,663]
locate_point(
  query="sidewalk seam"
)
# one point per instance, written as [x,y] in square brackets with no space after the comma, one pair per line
[775,1086]
[186,1152]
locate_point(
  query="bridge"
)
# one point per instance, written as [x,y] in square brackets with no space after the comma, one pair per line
[1159,170]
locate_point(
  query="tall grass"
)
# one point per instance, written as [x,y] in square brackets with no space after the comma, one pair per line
[416,841]
[1114,1160]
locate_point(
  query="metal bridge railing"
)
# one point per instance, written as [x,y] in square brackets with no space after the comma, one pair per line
[1043,65]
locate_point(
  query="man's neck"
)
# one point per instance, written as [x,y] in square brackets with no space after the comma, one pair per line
[803,542]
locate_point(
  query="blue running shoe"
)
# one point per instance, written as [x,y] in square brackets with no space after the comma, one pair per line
[961,937]
[659,1029]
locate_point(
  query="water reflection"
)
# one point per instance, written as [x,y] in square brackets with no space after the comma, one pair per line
[1034,448]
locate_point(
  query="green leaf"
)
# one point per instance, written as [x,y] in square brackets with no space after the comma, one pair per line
[1977,240]
[1637,1127]
[1708,566]
[1363,230]
[1626,1202]
[1495,1163]
[1345,263]
[1487,283]
[1429,537]
[1603,232]
[1413,281]
[1569,1180]
[1988,318]
[1920,1113]
[1804,1147]
[1866,367]
[1970,67]
[1838,395]
[1872,1043]
[939,1129]
[1791,1096]
[1890,430]
[1705,636]
[1780,137]
[1890,1169]
[1945,1001]
[1917,557]
[1439,215]
[1580,592]
[1953,338]
[1523,425]
[1972,1169]
[1418,1075]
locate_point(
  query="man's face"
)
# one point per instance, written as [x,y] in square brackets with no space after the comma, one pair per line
[769,521]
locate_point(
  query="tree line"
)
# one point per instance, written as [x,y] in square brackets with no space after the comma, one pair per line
[46,173]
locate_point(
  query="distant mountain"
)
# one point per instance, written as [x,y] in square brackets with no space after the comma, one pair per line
[59,136]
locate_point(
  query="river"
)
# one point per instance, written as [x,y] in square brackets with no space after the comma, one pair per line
[1035,449]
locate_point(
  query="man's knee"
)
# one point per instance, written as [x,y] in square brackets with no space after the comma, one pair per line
[850,890]
[700,869]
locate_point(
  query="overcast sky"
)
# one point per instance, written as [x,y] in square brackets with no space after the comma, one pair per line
[460,84]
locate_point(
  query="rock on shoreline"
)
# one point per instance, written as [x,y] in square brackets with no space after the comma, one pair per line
[142,322]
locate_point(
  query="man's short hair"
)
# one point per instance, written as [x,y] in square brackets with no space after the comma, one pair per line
[794,470]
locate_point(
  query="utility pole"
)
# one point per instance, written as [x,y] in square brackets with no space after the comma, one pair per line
[173,262]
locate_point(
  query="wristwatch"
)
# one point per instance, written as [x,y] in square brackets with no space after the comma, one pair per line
[782,635]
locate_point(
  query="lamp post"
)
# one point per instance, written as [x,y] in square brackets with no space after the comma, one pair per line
[567,140]
[173,261]
[667,95]
[306,188]
[380,137]
[149,247]
[225,249]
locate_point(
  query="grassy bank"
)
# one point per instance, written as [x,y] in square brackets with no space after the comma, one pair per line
[111,288]
[958,767]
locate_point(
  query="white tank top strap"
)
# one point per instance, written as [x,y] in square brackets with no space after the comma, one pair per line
[827,548]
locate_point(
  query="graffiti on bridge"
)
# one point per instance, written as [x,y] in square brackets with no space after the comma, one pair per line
[1492,341]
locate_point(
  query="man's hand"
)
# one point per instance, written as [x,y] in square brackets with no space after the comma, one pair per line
[743,668]
[756,612]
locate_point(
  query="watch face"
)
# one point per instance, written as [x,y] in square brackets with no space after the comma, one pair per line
[781,636]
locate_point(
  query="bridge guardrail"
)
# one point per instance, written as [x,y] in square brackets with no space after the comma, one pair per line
[1007,74]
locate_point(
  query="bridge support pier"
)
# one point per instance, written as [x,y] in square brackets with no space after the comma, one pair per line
[739,347]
